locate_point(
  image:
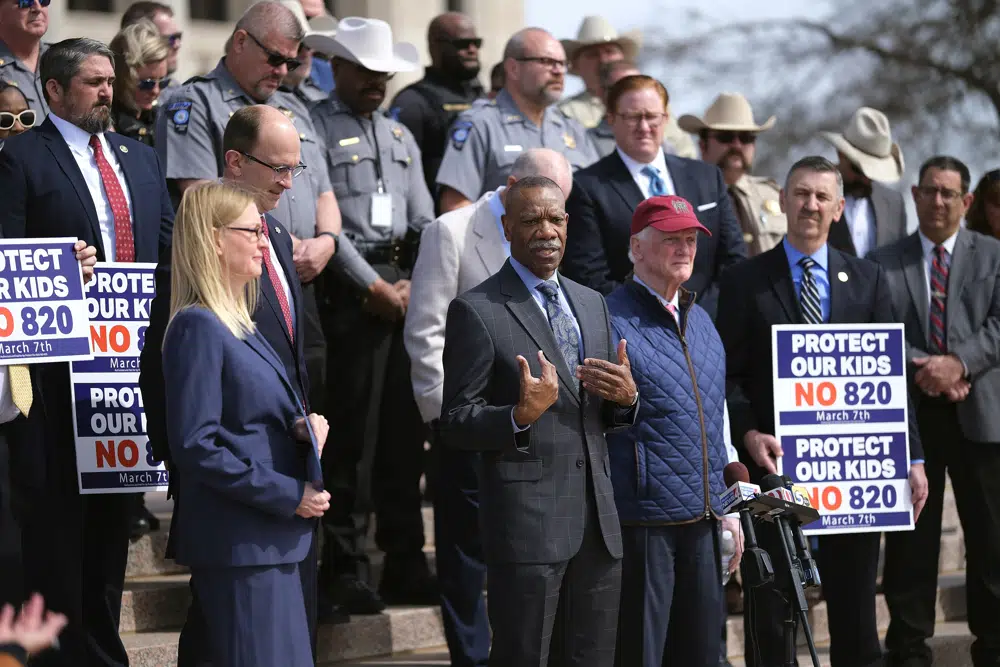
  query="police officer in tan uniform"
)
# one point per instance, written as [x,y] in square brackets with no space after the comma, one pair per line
[727,137]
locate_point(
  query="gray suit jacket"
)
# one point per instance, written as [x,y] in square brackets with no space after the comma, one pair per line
[533,484]
[890,221]
[972,319]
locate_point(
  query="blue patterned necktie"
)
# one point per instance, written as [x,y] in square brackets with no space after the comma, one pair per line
[940,266]
[657,187]
[563,328]
[812,312]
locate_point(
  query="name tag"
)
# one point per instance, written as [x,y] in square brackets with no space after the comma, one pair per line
[512,148]
[350,141]
[707,207]
[381,210]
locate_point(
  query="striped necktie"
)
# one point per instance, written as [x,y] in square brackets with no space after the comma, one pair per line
[812,313]
[940,266]
[562,327]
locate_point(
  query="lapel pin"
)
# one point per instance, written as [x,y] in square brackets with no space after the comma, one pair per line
[277,229]
[124,149]
[842,276]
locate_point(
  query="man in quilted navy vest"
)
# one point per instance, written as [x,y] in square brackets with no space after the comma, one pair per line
[667,468]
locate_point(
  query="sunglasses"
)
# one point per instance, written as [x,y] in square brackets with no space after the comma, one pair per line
[26,118]
[174,39]
[28,4]
[276,59]
[727,137]
[463,43]
[151,84]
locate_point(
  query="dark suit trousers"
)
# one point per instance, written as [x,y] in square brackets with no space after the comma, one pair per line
[557,614]
[11,574]
[911,558]
[314,346]
[848,565]
[671,596]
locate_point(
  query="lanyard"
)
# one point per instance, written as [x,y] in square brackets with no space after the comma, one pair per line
[378,153]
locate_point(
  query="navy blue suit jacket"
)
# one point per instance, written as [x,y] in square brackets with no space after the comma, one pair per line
[241,470]
[600,211]
[43,194]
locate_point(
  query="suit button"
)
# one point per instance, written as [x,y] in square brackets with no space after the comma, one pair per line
[579,463]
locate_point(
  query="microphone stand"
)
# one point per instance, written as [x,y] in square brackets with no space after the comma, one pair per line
[797,604]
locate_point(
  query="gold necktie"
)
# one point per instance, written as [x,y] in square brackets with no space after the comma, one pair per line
[20,387]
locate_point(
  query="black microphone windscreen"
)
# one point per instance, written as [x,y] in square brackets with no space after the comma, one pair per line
[771,482]
[786,481]
[735,472]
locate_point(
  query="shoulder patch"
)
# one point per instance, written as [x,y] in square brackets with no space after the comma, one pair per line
[393,113]
[460,133]
[180,114]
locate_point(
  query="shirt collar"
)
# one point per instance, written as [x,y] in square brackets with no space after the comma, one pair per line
[76,138]
[928,246]
[511,113]
[635,167]
[675,302]
[496,205]
[530,280]
[821,256]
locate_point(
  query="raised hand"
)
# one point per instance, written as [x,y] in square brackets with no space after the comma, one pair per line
[612,382]
[537,394]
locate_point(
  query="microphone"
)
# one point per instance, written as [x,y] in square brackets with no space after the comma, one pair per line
[739,489]
[776,500]
[756,566]
[810,569]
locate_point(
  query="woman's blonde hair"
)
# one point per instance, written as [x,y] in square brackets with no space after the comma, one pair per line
[198,277]
[135,46]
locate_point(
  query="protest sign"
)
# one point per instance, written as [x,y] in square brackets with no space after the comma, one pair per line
[840,414]
[112,451]
[43,315]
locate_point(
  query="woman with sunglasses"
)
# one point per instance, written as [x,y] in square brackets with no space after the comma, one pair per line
[15,116]
[984,214]
[140,73]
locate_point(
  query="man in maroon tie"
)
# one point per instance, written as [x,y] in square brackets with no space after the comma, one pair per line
[72,177]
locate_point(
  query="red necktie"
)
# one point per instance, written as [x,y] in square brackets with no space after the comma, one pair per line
[276,282]
[124,245]
[940,266]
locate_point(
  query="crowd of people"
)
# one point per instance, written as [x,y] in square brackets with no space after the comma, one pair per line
[569,300]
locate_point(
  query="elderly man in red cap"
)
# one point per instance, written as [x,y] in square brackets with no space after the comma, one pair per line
[667,468]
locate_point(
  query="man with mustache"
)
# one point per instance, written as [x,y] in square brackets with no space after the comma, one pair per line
[22,26]
[377,460]
[727,137]
[71,177]
[486,139]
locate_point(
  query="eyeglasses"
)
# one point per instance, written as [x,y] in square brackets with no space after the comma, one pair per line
[26,118]
[279,172]
[174,40]
[462,43]
[547,63]
[727,137]
[151,84]
[254,232]
[635,119]
[947,195]
[28,4]
[276,59]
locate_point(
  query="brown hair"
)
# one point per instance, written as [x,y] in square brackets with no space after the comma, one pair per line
[987,189]
[632,83]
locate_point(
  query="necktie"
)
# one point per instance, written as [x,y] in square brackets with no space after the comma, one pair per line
[20,387]
[940,266]
[657,187]
[276,282]
[563,328]
[124,245]
[812,313]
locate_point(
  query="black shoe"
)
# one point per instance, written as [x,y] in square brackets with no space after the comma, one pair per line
[354,597]
[154,523]
[138,528]
[409,584]
[329,613]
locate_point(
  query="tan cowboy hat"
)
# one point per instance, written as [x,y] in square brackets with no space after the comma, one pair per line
[367,42]
[867,142]
[729,111]
[596,30]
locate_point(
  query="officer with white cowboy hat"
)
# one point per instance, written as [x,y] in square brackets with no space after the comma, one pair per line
[727,137]
[375,168]
[875,215]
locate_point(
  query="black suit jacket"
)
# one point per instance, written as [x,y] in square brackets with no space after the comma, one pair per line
[269,319]
[533,484]
[44,195]
[890,221]
[600,211]
[758,294]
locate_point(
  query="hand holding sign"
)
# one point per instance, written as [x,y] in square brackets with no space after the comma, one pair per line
[87,256]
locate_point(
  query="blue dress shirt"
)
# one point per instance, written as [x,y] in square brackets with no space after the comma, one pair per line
[820,272]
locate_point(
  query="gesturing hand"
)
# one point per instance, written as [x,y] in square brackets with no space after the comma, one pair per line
[314,503]
[537,394]
[34,629]
[612,382]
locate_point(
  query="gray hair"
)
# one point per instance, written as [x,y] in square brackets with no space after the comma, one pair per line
[62,61]
[516,47]
[642,235]
[819,165]
[540,162]
[269,17]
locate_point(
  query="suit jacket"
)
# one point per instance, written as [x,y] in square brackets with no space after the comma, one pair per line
[760,293]
[890,221]
[270,323]
[533,484]
[600,209]
[458,251]
[44,195]
[972,319]
[242,472]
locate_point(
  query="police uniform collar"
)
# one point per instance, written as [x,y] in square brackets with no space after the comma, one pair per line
[336,105]
[231,90]
[7,56]
[511,113]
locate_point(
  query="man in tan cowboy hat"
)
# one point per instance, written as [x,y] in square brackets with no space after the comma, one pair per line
[727,137]
[875,215]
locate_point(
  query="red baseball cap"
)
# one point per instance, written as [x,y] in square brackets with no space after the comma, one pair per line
[667,214]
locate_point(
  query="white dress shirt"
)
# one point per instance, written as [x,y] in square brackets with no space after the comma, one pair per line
[642,180]
[79,145]
[861,221]
[8,411]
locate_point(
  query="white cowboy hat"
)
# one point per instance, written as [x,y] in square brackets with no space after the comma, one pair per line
[367,42]
[867,142]
[596,30]
[729,112]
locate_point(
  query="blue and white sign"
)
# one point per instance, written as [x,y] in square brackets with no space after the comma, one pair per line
[840,414]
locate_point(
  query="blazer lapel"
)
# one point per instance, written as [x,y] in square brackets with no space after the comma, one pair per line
[963,257]
[683,185]
[781,283]
[64,158]
[912,259]
[623,183]
[489,244]
[525,310]
[261,347]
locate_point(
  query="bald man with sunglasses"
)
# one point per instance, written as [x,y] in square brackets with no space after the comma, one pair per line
[23,23]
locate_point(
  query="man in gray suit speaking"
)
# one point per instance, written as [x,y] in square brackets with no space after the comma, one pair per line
[532,379]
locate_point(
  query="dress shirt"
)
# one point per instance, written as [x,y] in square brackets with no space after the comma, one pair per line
[78,142]
[497,209]
[820,274]
[642,180]
[861,222]
[8,411]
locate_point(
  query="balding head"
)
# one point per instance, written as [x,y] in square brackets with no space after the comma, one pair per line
[543,162]
[613,72]
[454,46]
[267,33]
[535,68]
[258,140]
